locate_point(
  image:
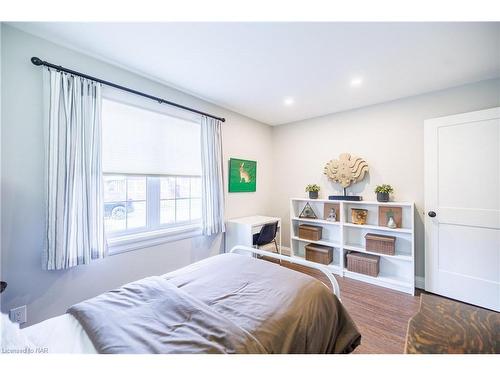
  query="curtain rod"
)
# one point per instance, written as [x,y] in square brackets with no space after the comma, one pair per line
[38,62]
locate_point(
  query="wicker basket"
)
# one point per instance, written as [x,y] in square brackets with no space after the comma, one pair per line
[366,264]
[378,243]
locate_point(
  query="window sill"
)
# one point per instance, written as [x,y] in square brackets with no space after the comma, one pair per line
[138,241]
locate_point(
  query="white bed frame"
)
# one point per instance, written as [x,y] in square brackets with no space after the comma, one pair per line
[253,251]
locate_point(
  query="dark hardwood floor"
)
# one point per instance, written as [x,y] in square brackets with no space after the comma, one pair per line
[380,314]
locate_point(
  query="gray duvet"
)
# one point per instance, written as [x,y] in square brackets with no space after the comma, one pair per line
[225,304]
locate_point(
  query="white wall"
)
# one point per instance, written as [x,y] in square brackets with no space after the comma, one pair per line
[388,136]
[22,153]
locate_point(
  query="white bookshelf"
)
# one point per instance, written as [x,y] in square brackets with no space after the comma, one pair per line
[396,271]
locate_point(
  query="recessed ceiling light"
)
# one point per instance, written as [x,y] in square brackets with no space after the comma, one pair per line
[288,101]
[357,81]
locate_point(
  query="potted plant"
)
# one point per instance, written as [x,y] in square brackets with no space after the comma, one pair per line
[313,191]
[383,192]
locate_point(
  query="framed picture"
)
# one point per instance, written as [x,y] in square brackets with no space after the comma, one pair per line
[307,212]
[242,175]
[330,215]
[384,212]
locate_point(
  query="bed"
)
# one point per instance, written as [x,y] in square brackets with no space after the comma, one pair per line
[229,303]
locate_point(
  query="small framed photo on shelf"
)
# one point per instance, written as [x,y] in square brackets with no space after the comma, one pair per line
[307,212]
[385,213]
[331,212]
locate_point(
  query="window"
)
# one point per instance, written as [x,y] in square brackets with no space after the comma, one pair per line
[152,168]
[124,203]
[126,206]
[180,199]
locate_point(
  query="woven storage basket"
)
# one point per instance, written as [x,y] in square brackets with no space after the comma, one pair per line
[378,243]
[366,264]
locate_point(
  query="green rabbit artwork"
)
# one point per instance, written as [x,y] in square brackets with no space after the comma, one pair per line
[242,175]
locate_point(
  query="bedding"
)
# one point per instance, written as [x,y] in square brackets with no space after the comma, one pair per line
[62,334]
[224,304]
[154,316]
[12,338]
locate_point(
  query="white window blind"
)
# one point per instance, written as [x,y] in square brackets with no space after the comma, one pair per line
[152,172]
[140,141]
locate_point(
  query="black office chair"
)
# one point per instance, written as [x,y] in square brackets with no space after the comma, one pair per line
[266,235]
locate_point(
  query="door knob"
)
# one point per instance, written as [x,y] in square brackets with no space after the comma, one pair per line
[431,214]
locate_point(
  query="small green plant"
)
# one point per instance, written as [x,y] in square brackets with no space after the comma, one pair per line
[384,189]
[312,187]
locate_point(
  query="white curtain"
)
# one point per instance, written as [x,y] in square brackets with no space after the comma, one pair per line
[75,219]
[212,178]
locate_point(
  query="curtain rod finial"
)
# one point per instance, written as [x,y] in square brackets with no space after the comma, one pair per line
[36,61]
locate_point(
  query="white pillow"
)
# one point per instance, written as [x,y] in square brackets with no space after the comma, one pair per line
[12,338]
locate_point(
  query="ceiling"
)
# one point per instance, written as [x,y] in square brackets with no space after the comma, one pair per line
[251,68]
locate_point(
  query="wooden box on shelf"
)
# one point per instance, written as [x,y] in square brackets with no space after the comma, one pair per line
[310,232]
[319,253]
[385,211]
[379,243]
[366,264]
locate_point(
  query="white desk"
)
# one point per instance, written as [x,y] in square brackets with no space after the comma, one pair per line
[240,231]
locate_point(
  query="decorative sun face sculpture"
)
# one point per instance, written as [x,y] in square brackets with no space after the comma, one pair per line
[346,170]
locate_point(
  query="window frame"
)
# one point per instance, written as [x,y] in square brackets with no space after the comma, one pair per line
[148,236]
[154,232]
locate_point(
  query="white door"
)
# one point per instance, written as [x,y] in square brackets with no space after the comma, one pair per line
[462,203]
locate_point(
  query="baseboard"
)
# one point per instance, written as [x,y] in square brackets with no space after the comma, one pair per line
[286,250]
[270,247]
[419,282]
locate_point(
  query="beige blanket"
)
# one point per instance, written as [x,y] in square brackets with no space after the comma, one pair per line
[225,304]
